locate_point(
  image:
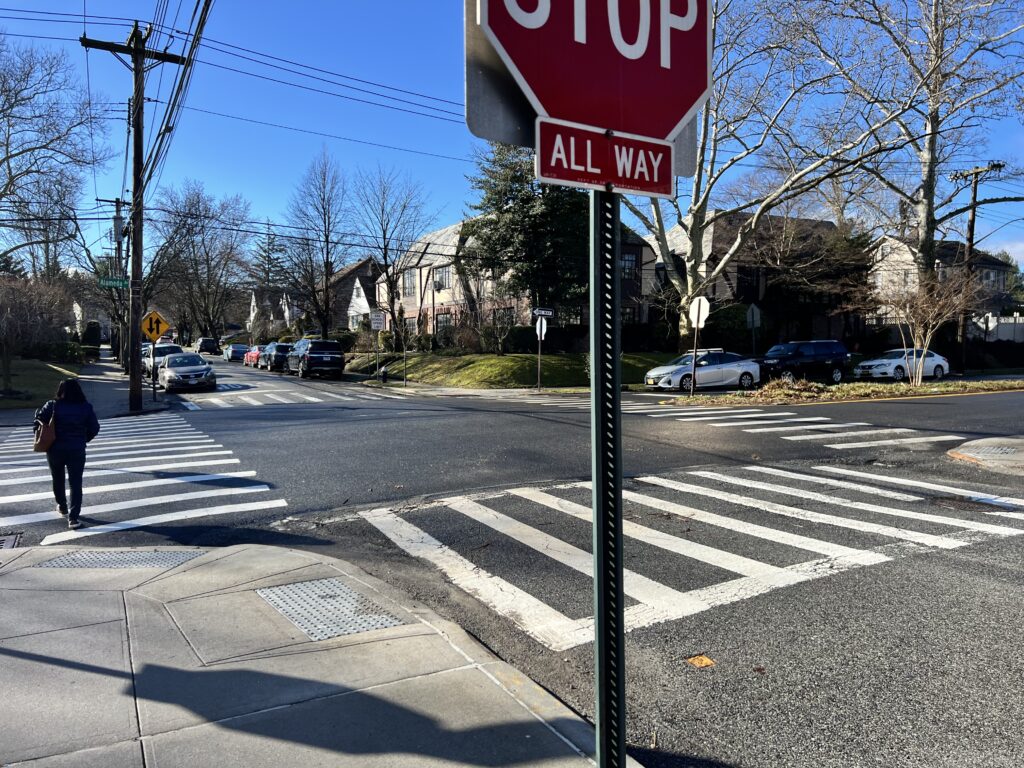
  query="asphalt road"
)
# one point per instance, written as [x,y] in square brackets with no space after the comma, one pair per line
[859,594]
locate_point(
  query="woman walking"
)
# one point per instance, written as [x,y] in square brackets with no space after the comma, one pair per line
[75,424]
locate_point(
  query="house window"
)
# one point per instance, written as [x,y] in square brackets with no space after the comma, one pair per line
[358,292]
[628,264]
[409,283]
[353,322]
[443,278]
[628,315]
[410,326]
[505,316]
[443,321]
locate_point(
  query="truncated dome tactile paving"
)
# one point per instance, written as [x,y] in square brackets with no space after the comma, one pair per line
[120,559]
[326,608]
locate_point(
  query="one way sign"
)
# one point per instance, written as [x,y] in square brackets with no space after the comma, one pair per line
[154,326]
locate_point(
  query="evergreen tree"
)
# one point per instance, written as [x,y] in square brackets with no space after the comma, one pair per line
[11,266]
[267,265]
[536,232]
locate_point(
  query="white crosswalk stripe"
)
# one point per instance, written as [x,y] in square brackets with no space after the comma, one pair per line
[239,395]
[157,457]
[679,520]
[899,441]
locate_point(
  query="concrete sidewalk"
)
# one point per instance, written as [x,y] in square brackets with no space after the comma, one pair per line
[999,454]
[251,656]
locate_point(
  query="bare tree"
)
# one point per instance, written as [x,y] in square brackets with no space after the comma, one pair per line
[921,307]
[389,212]
[961,65]
[31,311]
[48,131]
[204,246]
[319,212]
[771,102]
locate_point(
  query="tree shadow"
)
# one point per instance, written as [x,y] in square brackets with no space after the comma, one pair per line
[331,717]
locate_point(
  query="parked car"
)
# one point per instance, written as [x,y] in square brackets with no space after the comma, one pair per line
[233,352]
[186,371]
[315,356]
[208,346]
[274,356]
[715,368]
[252,356]
[827,360]
[156,355]
[898,364]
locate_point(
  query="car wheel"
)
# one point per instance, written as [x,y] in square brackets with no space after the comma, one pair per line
[788,377]
[836,376]
[746,381]
[684,383]
[938,374]
[898,374]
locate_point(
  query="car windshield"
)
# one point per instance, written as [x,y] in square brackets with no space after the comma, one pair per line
[184,361]
[325,346]
[240,346]
[167,349]
[896,354]
[782,349]
[283,348]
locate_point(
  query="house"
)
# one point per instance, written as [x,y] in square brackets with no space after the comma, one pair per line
[270,310]
[895,268]
[782,268]
[432,296]
[86,311]
[355,293]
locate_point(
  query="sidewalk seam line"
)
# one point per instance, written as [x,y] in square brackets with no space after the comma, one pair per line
[131,668]
[58,629]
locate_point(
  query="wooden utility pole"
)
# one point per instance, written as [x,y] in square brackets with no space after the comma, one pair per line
[136,49]
[974,174]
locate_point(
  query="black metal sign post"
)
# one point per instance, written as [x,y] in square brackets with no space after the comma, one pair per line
[606,470]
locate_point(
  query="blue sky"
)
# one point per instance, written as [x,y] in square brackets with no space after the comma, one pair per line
[412,45]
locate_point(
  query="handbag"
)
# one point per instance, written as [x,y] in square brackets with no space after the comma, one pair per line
[46,435]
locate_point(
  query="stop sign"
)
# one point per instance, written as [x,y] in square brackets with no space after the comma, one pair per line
[641,67]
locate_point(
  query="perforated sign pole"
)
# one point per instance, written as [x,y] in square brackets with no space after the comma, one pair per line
[606,470]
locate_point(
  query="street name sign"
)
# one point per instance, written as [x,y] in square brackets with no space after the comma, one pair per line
[613,84]
[699,310]
[543,312]
[113,282]
[377,321]
[154,326]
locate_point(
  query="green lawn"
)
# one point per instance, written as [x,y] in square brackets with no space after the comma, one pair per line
[504,371]
[35,382]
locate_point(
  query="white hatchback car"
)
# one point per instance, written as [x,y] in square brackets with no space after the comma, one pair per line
[715,368]
[898,364]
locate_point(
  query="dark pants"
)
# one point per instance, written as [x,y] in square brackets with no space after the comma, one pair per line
[73,461]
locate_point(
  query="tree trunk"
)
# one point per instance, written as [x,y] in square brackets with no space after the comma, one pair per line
[5,363]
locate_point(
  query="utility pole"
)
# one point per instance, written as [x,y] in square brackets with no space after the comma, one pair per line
[136,49]
[974,174]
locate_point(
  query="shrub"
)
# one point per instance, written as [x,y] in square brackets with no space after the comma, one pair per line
[386,341]
[90,352]
[422,341]
[346,339]
[91,337]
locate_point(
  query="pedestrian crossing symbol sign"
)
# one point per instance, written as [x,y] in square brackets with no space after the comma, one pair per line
[154,326]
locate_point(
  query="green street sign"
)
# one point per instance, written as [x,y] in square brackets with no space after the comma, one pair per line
[113,282]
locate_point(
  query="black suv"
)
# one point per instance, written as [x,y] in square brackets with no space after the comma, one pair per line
[827,360]
[309,356]
[209,346]
[274,356]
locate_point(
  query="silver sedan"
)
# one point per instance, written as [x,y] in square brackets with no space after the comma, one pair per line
[714,369]
[186,371]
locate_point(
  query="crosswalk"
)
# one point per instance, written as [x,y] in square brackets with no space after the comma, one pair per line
[141,472]
[241,395]
[784,424]
[693,542]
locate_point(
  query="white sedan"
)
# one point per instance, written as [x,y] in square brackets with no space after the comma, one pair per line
[898,364]
[715,368]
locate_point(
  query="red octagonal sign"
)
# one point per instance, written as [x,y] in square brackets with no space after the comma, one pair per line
[634,66]
[638,67]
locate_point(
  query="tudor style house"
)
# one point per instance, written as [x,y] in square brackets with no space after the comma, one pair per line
[432,297]
[355,293]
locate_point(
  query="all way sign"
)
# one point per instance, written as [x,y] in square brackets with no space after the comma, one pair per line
[580,156]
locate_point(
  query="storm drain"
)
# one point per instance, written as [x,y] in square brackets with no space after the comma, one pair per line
[120,559]
[326,608]
[990,450]
[9,540]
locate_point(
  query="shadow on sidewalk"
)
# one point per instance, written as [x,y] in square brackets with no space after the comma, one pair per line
[331,717]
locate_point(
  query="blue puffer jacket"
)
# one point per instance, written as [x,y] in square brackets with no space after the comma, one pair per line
[76,424]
